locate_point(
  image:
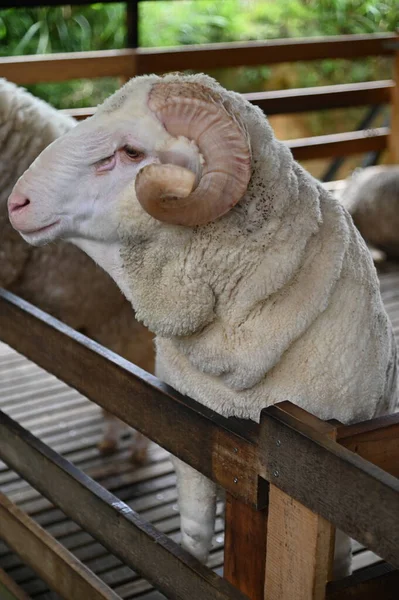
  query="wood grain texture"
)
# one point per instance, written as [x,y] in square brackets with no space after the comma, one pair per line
[322,97]
[339,144]
[245,547]
[25,70]
[355,495]
[300,543]
[64,66]
[137,543]
[60,569]
[376,440]
[299,550]
[302,99]
[215,56]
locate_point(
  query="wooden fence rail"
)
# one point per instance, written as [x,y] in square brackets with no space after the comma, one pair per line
[223,449]
[134,61]
[129,62]
[112,522]
[303,99]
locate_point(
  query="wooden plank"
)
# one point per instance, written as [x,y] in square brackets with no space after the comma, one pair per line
[302,99]
[339,144]
[216,56]
[224,450]
[115,63]
[300,543]
[376,440]
[355,495]
[245,547]
[68,65]
[138,544]
[9,590]
[60,569]
[322,97]
[379,581]
[299,550]
[394,137]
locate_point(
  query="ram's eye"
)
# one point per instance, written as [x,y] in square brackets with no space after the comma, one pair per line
[133,154]
[106,164]
[104,161]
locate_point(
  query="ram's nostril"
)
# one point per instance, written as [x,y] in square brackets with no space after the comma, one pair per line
[17,203]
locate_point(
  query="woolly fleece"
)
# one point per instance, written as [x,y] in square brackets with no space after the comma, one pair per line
[278,300]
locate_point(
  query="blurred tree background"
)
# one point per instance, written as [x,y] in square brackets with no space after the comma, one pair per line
[179,22]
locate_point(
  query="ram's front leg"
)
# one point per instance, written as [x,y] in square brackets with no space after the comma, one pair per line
[342,555]
[197,504]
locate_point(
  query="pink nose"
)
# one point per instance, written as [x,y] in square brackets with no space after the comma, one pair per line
[17,202]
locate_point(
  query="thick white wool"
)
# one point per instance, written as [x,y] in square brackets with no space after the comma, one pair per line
[372,198]
[278,300]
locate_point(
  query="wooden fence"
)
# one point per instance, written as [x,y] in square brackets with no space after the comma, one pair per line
[291,473]
[127,63]
[287,474]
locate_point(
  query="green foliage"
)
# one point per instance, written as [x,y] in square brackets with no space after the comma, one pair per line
[62,29]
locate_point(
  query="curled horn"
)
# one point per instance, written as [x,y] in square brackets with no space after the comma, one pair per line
[166,191]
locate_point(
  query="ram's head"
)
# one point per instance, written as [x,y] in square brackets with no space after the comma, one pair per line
[173,145]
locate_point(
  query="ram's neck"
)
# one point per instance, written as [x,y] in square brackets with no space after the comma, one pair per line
[181,280]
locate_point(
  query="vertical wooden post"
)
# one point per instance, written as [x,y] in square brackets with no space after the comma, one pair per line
[300,543]
[245,547]
[132,20]
[394,137]
[299,550]
[132,30]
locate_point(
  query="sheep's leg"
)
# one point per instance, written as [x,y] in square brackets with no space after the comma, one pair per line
[342,555]
[112,431]
[140,448]
[197,503]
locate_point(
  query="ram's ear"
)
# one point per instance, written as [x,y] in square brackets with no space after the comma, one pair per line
[197,113]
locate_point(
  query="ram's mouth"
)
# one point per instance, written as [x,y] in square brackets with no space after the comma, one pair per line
[28,232]
[42,235]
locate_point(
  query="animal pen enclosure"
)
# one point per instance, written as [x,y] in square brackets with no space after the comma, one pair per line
[284,478]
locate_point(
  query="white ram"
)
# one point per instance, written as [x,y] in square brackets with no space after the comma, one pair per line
[254,279]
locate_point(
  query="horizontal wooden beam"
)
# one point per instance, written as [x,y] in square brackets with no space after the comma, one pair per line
[48,558]
[137,543]
[216,56]
[302,99]
[26,70]
[222,449]
[340,144]
[322,97]
[127,63]
[376,440]
[376,581]
[353,494]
